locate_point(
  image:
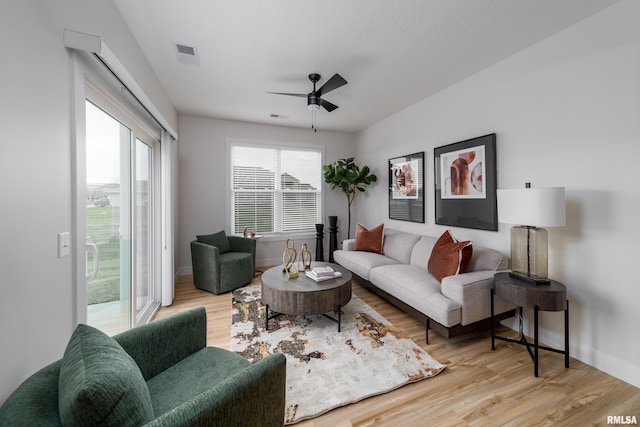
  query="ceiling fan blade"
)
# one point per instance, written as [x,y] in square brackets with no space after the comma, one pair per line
[327,105]
[333,83]
[302,95]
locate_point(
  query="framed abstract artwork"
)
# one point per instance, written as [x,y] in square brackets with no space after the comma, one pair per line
[406,187]
[465,183]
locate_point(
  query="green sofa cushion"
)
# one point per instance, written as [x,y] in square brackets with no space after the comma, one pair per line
[35,401]
[100,384]
[192,376]
[219,240]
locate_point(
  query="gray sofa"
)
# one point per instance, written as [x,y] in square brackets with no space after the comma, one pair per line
[458,305]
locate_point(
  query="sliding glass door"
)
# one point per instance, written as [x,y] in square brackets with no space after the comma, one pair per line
[108,210]
[121,224]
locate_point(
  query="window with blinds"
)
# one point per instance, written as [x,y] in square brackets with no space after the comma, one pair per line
[275,189]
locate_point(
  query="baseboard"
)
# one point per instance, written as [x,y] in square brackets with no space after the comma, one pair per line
[621,369]
[260,262]
[184,271]
[268,262]
[613,366]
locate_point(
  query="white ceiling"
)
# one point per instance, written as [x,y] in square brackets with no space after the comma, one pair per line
[393,53]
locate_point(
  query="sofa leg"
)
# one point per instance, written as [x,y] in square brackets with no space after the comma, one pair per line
[426,333]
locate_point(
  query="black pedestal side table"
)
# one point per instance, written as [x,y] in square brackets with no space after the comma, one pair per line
[333,236]
[319,245]
[552,297]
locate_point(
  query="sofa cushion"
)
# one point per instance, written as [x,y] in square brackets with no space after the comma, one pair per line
[219,240]
[420,290]
[369,240]
[449,257]
[100,384]
[193,376]
[422,252]
[360,262]
[35,401]
[398,245]
[487,259]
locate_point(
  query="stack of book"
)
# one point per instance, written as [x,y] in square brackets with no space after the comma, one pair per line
[322,273]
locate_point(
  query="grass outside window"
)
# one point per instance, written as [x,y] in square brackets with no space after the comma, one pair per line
[103,231]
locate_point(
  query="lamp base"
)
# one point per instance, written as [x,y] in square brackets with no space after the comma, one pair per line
[529,252]
[529,279]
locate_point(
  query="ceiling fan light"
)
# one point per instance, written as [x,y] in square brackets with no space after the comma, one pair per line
[313,107]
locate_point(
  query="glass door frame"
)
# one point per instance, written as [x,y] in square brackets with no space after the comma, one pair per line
[144,314]
[89,84]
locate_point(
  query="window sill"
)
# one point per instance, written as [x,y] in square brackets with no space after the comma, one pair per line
[284,236]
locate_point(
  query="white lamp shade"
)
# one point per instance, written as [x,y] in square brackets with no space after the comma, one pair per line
[537,207]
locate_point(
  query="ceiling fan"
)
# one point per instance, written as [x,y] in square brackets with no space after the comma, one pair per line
[314,98]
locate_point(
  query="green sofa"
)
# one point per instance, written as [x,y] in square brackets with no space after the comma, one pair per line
[222,263]
[159,374]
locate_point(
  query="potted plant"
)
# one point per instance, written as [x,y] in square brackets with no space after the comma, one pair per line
[350,178]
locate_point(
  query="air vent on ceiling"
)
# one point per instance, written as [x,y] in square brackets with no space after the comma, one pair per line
[187,50]
[187,54]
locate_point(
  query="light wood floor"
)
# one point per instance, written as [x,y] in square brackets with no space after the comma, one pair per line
[479,387]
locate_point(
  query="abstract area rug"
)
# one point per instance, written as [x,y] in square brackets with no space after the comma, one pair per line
[327,369]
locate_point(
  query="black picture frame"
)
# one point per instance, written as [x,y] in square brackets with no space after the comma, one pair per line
[406,187]
[465,183]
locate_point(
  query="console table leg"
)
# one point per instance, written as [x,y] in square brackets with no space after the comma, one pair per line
[339,318]
[535,339]
[566,336]
[493,334]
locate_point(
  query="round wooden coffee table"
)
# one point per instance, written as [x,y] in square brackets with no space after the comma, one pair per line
[303,295]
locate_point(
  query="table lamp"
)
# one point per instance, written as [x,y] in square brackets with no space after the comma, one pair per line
[531,208]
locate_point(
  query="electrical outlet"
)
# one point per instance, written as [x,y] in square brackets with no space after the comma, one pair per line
[63,245]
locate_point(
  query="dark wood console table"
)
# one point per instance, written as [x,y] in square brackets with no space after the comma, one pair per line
[552,297]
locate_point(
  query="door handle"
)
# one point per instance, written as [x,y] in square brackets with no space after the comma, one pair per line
[91,247]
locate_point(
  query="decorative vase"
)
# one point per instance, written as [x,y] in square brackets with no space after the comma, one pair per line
[305,258]
[289,257]
[319,244]
[333,236]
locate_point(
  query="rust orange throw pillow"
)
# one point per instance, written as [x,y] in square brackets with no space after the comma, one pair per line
[449,257]
[369,240]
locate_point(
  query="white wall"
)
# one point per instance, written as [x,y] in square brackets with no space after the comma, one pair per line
[36,291]
[567,113]
[203,200]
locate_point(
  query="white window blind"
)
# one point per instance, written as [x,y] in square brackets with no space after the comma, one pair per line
[275,189]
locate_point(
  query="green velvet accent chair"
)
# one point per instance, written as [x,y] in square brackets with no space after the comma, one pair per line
[222,263]
[159,374]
